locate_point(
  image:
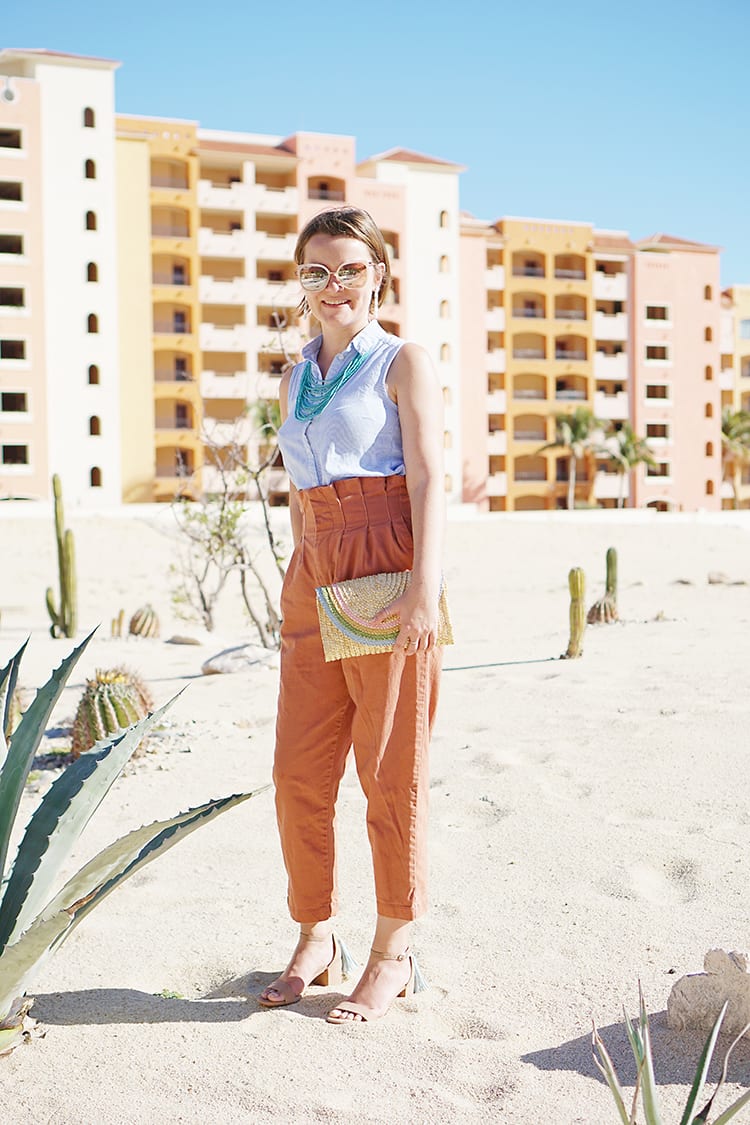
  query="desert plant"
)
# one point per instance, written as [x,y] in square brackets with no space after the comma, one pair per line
[604,610]
[117,624]
[735,447]
[64,619]
[581,433]
[626,450]
[144,622]
[34,919]
[577,587]
[113,699]
[639,1036]
[13,712]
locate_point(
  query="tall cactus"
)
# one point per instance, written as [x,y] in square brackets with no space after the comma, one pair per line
[604,611]
[64,619]
[577,585]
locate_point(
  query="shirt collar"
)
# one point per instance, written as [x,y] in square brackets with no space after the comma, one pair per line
[363,342]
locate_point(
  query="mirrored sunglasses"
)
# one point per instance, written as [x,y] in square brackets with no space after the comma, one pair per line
[352,275]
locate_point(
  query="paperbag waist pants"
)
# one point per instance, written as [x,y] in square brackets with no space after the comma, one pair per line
[382,704]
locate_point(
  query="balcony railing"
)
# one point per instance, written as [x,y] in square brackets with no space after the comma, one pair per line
[530,474]
[528,271]
[168,230]
[326,193]
[572,353]
[570,314]
[572,275]
[529,435]
[574,396]
[169,328]
[172,377]
[528,393]
[532,314]
[528,353]
[169,182]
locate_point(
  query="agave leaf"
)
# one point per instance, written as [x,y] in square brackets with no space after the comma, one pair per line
[8,681]
[24,744]
[607,1069]
[94,882]
[59,820]
[17,1026]
[733,1109]
[702,1069]
[649,1092]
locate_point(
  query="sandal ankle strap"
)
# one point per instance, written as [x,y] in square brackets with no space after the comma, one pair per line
[390,956]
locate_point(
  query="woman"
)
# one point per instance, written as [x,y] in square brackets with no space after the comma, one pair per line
[361,438]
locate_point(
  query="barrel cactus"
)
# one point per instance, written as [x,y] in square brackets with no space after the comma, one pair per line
[115,698]
[145,622]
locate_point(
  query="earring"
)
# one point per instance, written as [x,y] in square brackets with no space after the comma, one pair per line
[375,304]
[305,307]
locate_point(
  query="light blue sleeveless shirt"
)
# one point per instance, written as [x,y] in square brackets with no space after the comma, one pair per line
[358,433]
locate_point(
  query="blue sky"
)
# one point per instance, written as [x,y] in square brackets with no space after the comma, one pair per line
[631,116]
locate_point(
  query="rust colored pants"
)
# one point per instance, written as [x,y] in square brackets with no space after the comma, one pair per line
[382,704]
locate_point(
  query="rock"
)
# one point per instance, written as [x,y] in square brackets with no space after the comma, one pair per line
[240,658]
[182,639]
[696,1000]
[717,578]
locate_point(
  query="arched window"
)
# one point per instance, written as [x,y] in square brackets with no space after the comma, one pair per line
[92,323]
[90,170]
[709,372]
[709,449]
[447,396]
[444,266]
[91,220]
[95,477]
[448,483]
[707,292]
[445,353]
[444,220]
[708,334]
[447,439]
[709,410]
[92,272]
[95,426]
[445,310]
[709,488]
[93,375]
[89,118]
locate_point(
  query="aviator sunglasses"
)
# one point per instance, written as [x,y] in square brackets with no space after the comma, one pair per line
[351,275]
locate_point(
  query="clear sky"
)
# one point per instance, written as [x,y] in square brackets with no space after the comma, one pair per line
[633,116]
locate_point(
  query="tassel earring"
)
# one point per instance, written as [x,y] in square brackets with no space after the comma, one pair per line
[375,304]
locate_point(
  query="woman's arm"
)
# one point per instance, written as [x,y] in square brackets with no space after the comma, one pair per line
[414,386]
[295,513]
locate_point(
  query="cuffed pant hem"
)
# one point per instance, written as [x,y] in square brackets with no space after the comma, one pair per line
[397,910]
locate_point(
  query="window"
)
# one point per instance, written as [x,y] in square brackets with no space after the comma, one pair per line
[15,454]
[10,138]
[95,476]
[90,170]
[11,189]
[12,349]
[660,469]
[445,266]
[92,323]
[95,426]
[90,220]
[11,244]
[657,430]
[178,274]
[89,118]
[445,353]
[182,416]
[657,312]
[445,310]
[709,411]
[444,220]
[708,334]
[707,293]
[709,372]
[13,402]
[448,482]
[12,298]
[93,375]
[92,272]
[657,390]
[180,368]
[447,439]
[745,329]
[179,321]
[447,396]
[709,488]
[657,351]
[709,449]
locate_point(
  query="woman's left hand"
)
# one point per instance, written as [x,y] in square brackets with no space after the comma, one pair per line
[418,619]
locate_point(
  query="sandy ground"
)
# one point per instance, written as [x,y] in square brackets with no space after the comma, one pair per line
[589,828]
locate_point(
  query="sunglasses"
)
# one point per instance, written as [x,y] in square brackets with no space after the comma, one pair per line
[314,278]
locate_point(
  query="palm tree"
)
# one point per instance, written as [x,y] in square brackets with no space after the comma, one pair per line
[735,446]
[627,450]
[581,433]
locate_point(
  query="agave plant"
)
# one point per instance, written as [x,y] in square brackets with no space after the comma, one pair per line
[35,918]
[645,1083]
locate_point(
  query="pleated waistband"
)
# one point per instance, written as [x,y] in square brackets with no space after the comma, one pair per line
[354,502]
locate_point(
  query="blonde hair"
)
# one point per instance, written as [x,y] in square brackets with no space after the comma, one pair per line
[347,222]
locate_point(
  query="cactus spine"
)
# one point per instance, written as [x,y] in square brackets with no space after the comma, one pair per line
[577,586]
[604,611]
[113,699]
[145,622]
[64,619]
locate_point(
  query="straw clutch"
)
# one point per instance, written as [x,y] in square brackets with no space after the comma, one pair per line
[346,609]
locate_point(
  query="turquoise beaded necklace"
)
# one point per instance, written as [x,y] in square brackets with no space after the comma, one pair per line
[313,397]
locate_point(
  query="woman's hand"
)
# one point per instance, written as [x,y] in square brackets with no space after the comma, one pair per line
[417,614]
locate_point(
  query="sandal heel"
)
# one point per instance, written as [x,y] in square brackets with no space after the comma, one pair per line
[342,964]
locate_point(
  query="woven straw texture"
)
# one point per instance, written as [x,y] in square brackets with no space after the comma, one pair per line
[346,609]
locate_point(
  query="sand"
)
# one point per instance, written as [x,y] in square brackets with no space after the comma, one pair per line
[589,828]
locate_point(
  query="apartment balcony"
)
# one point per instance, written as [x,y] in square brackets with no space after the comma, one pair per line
[528,353]
[232,197]
[538,437]
[276,294]
[497,484]
[274,247]
[212,291]
[614,367]
[497,402]
[528,271]
[496,360]
[268,339]
[495,277]
[612,408]
[570,314]
[276,201]
[167,293]
[524,475]
[610,327]
[521,313]
[221,433]
[170,240]
[607,486]
[170,193]
[497,443]
[166,339]
[175,436]
[610,287]
[167,387]
[570,354]
[726,379]
[222,244]
[217,338]
[570,274]
[494,320]
[214,384]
